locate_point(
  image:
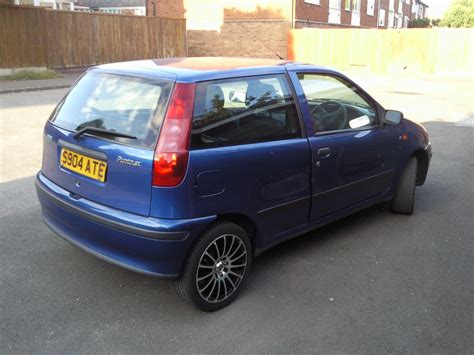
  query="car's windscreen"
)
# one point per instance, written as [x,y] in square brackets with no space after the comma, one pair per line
[123,104]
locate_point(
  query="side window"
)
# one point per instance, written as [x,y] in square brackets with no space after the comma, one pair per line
[335,104]
[244,110]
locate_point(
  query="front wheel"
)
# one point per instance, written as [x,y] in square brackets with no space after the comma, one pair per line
[216,268]
[404,199]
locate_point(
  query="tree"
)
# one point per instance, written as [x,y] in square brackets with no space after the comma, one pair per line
[460,14]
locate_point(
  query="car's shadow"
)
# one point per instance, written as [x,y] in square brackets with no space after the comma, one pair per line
[73,271]
[327,233]
[29,245]
[319,242]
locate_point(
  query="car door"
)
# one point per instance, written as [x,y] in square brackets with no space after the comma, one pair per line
[249,154]
[353,156]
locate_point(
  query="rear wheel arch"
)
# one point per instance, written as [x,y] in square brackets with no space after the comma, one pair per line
[241,220]
[244,222]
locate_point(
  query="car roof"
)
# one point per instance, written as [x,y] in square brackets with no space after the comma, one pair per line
[195,69]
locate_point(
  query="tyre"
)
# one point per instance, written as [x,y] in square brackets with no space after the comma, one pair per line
[216,268]
[404,199]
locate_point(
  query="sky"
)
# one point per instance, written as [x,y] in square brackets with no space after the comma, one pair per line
[437,7]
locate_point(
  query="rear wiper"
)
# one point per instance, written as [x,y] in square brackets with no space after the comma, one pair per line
[101,131]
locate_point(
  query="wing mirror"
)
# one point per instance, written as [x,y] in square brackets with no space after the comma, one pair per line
[393,117]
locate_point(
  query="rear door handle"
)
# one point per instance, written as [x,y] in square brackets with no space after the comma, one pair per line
[324,152]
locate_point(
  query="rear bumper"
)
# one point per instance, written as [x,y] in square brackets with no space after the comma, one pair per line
[147,245]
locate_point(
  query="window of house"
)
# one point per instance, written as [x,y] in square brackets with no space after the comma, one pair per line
[336,104]
[335,4]
[347,5]
[391,14]
[405,22]
[313,2]
[381,17]
[356,5]
[243,111]
[391,19]
[370,7]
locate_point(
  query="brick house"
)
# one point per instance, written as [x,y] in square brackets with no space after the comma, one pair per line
[302,13]
[259,28]
[165,8]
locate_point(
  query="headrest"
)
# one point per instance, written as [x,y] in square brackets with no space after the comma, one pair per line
[260,93]
[208,98]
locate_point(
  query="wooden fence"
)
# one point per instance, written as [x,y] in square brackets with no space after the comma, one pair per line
[38,37]
[439,51]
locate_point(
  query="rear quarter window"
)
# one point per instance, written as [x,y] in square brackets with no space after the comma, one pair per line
[242,111]
[130,105]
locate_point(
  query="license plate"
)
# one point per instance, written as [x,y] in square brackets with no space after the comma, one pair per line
[84,165]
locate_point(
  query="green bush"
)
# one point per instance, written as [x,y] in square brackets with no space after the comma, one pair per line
[33,75]
[420,23]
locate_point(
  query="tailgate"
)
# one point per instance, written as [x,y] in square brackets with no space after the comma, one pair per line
[113,171]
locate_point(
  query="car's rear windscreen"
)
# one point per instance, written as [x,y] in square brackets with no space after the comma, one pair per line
[124,104]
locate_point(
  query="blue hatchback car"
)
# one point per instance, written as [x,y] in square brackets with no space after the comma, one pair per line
[188,168]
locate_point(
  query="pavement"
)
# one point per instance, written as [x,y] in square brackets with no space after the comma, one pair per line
[374,282]
[12,86]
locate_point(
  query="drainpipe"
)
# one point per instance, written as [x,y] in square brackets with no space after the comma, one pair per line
[293,13]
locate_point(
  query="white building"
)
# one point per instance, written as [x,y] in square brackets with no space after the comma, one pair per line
[52,4]
[126,7]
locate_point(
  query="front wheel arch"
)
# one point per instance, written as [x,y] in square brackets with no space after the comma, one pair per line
[423,163]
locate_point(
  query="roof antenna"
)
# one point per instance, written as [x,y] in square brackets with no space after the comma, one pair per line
[255,37]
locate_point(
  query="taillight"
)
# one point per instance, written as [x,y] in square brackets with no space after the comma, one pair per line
[172,151]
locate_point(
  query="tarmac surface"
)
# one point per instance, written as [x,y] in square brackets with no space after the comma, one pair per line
[374,282]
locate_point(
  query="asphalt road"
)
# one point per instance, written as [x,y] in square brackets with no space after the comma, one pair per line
[372,283]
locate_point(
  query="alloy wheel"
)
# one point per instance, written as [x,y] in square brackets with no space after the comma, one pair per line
[221,268]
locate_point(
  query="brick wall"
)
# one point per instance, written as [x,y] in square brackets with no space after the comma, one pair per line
[317,13]
[346,16]
[257,28]
[165,8]
[365,19]
[261,39]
